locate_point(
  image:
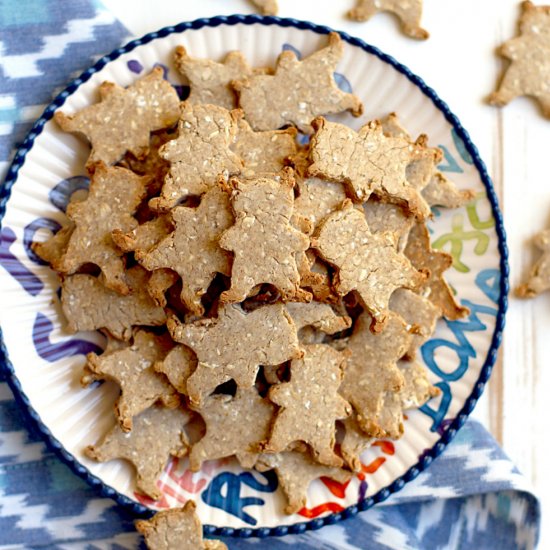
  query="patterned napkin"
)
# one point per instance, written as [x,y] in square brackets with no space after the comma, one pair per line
[472,495]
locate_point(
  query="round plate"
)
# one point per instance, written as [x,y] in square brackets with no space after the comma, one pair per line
[45,362]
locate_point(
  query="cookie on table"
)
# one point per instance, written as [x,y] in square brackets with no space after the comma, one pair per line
[267,7]
[539,277]
[409,13]
[528,73]
[298,91]
[124,118]
[176,529]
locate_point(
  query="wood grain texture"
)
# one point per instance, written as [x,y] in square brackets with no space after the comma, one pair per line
[459,62]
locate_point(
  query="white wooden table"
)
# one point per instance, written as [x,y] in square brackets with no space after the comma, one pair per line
[459,62]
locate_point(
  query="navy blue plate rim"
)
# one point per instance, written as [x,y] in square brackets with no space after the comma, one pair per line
[428,457]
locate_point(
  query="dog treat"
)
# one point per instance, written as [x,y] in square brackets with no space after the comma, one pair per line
[192,249]
[209,81]
[53,249]
[263,240]
[435,263]
[157,433]
[539,278]
[178,365]
[263,152]
[225,416]
[177,528]
[200,153]
[238,342]
[115,194]
[417,389]
[295,472]
[528,72]
[409,13]
[443,192]
[152,164]
[419,313]
[144,236]
[124,118]
[354,442]
[436,189]
[319,316]
[315,278]
[310,404]
[385,217]
[317,199]
[132,369]
[371,376]
[366,262]
[267,7]
[88,305]
[369,162]
[298,91]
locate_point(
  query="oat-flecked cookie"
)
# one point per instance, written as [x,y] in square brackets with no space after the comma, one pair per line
[386,217]
[529,70]
[176,529]
[200,153]
[317,199]
[436,189]
[144,236]
[263,152]
[295,472]
[417,389]
[315,278]
[319,316]
[210,81]
[366,262]
[409,13]
[132,369]
[267,7]
[53,249]
[192,249]
[354,442]
[158,432]
[178,365]
[310,404]
[369,162]
[435,263]
[419,313]
[539,278]
[152,164]
[88,305]
[236,344]
[263,240]
[298,91]
[115,193]
[124,118]
[371,376]
[225,418]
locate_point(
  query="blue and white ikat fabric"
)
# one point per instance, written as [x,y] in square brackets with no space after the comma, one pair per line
[470,497]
